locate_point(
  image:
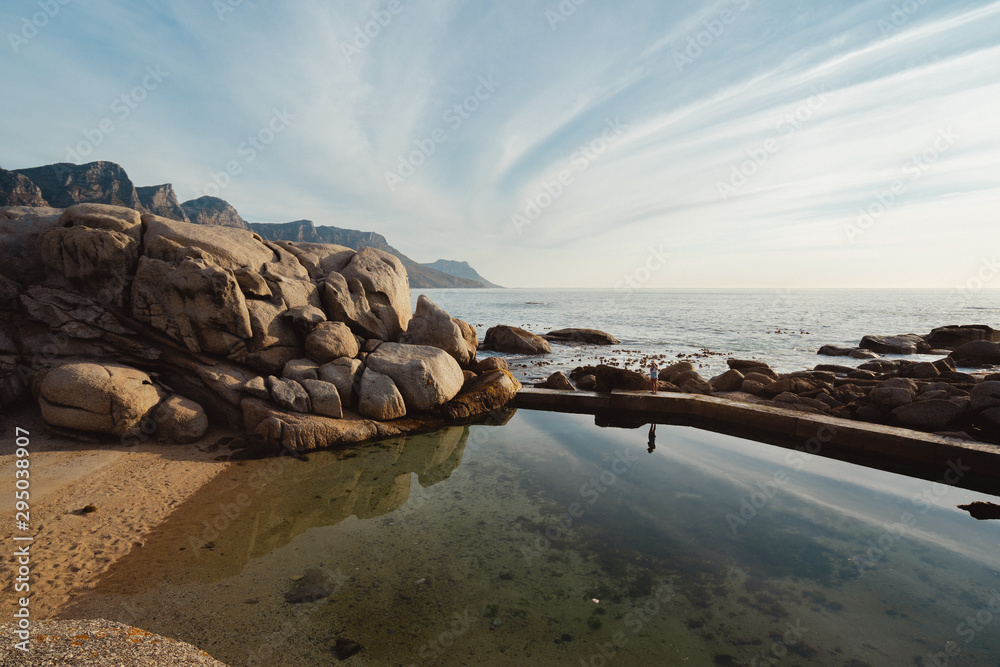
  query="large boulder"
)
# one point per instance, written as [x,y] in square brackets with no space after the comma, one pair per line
[952,337]
[556,381]
[426,376]
[104,216]
[229,248]
[331,340]
[905,344]
[104,398]
[432,326]
[582,336]
[887,399]
[101,262]
[985,396]
[514,340]
[379,397]
[932,415]
[345,375]
[386,287]
[20,229]
[180,420]
[977,353]
[195,303]
[345,301]
[731,380]
[289,394]
[319,259]
[608,378]
[324,397]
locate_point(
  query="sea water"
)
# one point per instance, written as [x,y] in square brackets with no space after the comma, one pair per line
[550,541]
[782,327]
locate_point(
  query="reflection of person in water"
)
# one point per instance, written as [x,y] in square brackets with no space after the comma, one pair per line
[652,438]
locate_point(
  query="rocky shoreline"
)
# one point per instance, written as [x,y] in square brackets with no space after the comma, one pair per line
[929,396]
[138,327]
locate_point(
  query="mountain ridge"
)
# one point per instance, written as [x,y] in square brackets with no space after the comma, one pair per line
[61,185]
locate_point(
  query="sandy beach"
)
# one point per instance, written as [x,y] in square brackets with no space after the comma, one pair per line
[131,488]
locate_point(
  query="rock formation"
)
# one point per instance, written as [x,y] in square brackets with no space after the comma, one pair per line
[18,190]
[65,184]
[514,340]
[118,320]
[213,211]
[162,201]
[459,270]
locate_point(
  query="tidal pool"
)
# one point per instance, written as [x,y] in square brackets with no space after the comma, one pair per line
[550,541]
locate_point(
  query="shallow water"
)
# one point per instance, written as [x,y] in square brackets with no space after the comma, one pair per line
[784,327]
[552,541]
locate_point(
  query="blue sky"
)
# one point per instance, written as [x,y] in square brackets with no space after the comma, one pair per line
[737,143]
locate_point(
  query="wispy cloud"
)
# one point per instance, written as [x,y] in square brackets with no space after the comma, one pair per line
[830,105]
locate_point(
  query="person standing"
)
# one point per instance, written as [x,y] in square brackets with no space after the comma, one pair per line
[654,377]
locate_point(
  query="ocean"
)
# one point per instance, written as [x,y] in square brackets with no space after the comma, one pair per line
[784,327]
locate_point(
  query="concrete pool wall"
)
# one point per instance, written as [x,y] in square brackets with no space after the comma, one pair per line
[968,464]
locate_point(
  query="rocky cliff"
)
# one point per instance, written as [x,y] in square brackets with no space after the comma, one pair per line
[421,276]
[18,190]
[161,200]
[65,184]
[131,324]
[459,270]
[213,211]
[62,185]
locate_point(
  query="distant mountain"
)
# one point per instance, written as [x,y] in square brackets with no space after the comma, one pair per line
[459,270]
[161,200]
[64,184]
[18,190]
[306,231]
[213,211]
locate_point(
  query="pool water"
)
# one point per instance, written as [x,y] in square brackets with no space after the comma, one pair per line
[550,541]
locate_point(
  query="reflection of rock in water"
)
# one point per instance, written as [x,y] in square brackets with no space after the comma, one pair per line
[253,509]
[982,510]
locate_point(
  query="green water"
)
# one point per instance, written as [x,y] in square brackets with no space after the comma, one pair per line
[550,541]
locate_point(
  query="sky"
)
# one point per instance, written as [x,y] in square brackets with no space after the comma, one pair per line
[549,143]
